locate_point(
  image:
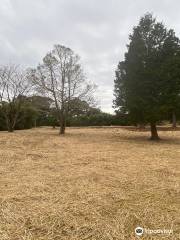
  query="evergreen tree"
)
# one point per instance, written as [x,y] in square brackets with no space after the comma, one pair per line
[146,85]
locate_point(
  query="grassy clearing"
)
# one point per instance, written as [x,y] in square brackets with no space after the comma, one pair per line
[91,184]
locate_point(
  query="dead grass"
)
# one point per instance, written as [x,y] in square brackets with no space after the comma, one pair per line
[92,184]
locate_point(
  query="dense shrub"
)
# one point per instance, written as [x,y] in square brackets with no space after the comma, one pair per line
[100,119]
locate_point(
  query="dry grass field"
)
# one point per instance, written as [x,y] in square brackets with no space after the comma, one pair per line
[92,184]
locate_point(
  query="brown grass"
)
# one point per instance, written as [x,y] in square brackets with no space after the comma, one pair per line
[92,184]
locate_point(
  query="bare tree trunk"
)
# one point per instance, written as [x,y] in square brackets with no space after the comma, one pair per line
[174,125]
[9,124]
[154,133]
[10,129]
[62,125]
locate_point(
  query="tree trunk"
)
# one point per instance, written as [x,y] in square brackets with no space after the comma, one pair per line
[10,130]
[154,133]
[174,125]
[9,125]
[62,125]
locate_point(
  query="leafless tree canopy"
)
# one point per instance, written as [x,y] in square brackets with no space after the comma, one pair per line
[14,85]
[61,78]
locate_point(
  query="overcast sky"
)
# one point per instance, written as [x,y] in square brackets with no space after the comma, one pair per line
[95,29]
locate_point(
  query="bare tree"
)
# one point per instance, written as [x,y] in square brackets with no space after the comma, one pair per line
[61,78]
[14,86]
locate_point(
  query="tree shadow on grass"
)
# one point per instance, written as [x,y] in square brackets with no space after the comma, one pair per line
[145,139]
[135,136]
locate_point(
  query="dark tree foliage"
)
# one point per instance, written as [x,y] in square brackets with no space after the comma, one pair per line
[99,119]
[147,83]
[42,105]
[38,111]
[26,117]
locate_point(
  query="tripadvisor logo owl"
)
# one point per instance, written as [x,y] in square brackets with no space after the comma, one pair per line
[139,231]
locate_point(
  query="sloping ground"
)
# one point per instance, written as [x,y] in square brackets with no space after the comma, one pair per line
[95,184]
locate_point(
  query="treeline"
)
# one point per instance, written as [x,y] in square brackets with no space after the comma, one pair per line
[100,119]
[38,111]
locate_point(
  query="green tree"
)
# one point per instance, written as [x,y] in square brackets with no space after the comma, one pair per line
[171,74]
[145,86]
